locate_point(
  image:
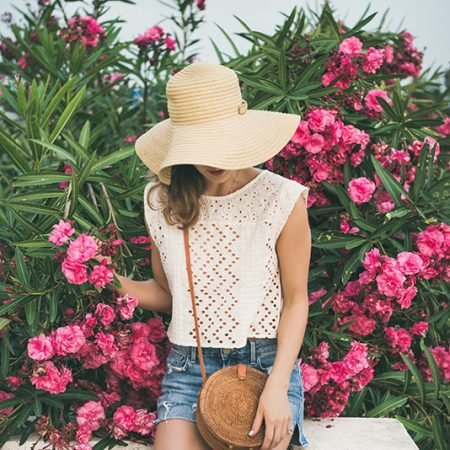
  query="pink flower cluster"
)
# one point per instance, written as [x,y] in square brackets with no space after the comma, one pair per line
[81,250]
[403,57]
[321,145]
[131,355]
[346,61]
[328,384]
[86,29]
[155,35]
[91,416]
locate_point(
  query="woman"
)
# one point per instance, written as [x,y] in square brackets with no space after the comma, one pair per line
[249,240]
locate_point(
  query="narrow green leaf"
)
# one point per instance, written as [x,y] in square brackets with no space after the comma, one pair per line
[416,375]
[387,406]
[433,368]
[21,267]
[414,426]
[67,114]
[393,187]
[113,158]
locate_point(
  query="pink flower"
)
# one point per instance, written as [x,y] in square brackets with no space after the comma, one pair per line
[315,143]
[101,275]
[410,263]
[388,53]
[143,423]
[105,312]
[170,43]
[125,416]
[406,296]
[309,376]
[105,341]
[371,100]
[361,189]
[22,62]
[61,232]
[143,354]
[321,120]
[444,129]
[40,347]
[419,328]
[5,396]
[399,339]
[47,377]
[351,46]
[90,414]
[301,134]
[430,241]
[68,339]
[390,282]
[152,34]
[356,358]
[373,59]
[82,249]
[74,271]
[126,306]
[442,357]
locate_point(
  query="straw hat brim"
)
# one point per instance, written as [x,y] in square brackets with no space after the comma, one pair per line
[236,142]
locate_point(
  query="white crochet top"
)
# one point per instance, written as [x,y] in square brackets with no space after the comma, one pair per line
[234,262]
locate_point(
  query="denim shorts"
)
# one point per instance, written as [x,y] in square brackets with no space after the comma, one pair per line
[183,380]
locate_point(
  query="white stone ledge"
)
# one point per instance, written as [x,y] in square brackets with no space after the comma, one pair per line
[340,433]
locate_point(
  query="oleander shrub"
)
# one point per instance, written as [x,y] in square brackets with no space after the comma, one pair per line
[76,358]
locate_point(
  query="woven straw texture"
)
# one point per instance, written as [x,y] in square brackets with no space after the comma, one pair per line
[227,407]
[210,124]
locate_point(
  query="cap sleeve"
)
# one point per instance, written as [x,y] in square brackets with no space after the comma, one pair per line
[290,193]
[151,216]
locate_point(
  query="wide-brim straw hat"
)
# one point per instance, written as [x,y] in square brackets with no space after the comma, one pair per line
[210,124]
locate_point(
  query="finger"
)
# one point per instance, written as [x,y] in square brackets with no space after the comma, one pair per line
[257,422]
[277,436]
[268,437]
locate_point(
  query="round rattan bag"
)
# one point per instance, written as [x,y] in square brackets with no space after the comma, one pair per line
[228,399]
[226,408]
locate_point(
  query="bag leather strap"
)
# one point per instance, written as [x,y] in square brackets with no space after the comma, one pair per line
[191,287]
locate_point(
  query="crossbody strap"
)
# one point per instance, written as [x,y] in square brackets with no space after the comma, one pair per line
[191,286]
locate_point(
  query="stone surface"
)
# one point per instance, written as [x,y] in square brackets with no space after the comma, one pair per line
[341,433]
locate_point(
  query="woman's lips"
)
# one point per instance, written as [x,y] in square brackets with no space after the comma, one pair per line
[216,172]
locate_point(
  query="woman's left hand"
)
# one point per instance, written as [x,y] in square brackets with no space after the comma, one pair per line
[274,409]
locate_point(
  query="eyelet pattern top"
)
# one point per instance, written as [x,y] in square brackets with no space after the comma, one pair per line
[234,262]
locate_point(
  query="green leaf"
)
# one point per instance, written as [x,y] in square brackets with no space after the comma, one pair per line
[282,69]
[85,135]
[416,375]
[65,154]
[113,158]
[438,433]
[414,426]
[21,267]
[67,114]
[56,99]
[387,406]
[30,312]
[38,179]
[433,368]
[14,152]
[393,187]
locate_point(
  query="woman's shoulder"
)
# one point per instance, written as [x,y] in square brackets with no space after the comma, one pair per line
[285,186]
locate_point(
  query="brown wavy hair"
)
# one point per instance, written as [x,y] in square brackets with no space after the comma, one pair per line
[181,197]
